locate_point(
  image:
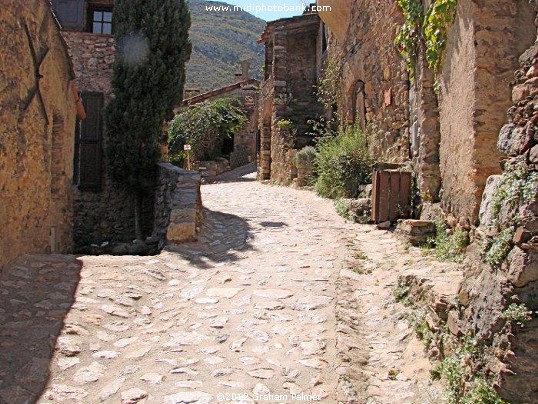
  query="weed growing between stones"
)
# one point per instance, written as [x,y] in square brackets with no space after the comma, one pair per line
[342,208]
[446,246]
[464,377]
[418,321]
[518,187]
[400,292]
[499,248]
[517,313]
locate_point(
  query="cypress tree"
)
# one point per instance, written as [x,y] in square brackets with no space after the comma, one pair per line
[152,47]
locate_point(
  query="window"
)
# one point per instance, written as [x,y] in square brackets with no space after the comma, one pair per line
[100,20]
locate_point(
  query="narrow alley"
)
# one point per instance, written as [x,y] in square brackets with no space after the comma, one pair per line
[260,309]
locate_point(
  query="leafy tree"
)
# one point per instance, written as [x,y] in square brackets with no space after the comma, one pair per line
[205,126]
[152,38]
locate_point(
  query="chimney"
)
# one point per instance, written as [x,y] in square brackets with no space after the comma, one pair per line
[245,67]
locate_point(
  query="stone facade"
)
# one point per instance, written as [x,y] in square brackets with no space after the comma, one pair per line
[37,122]
[93,59]
[102,211]
[448,137]
[488,291]
[288,93]
[374,85]
[483,46]
[106,213]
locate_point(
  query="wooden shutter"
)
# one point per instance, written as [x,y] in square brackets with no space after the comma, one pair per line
[70,13]
[91,138]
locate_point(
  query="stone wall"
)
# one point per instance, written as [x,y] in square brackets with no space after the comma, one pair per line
[483,46]
[107,214]
[374,84]
[93,59]
[265,117]
[288,94]
[507,239]
[178,205]
[37,122]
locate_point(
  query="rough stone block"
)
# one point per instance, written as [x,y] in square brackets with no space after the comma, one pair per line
[511,140]
[487,218]
[181,232]
[520,92]
[453,323]
[416,232]
[522,267]
[522,235]
[533,155]
[431,211]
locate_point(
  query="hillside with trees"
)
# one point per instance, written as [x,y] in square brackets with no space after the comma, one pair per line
[220,41]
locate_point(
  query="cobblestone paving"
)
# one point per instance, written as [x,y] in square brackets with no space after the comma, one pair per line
[249,309]
[263,308]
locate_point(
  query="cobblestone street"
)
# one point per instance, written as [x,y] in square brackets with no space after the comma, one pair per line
[251,308]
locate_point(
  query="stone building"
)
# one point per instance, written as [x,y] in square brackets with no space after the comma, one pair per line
[292,46]
[102,212]
[449,138]
[243,147]
[37,120]
[509,219]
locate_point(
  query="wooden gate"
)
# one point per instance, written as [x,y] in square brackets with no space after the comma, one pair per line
[391,195]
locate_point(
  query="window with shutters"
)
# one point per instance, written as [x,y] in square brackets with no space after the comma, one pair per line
[88,143]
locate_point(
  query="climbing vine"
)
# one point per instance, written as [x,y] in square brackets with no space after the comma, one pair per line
[430,29]
[439,18]
[408,38]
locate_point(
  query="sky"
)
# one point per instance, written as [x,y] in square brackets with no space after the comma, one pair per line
[250,7]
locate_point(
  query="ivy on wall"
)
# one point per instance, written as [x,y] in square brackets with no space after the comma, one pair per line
[429,28]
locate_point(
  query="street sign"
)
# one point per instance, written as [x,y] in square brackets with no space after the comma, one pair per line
[187,147]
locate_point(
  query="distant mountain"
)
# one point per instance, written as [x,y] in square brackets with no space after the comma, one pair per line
[220,41]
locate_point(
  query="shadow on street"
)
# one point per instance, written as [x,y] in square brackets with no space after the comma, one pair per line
[36,293]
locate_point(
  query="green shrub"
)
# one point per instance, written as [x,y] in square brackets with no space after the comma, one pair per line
[285,125]
[204,126]
[343,162]
[306,156]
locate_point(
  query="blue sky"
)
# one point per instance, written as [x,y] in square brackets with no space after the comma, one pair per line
[267,15]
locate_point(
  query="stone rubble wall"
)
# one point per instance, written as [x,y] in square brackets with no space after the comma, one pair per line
[178,205]
[487,291]
[93,59]
[265,111]
[106,215]
[36,144]
[482,50]
[368,54]
[288,93]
